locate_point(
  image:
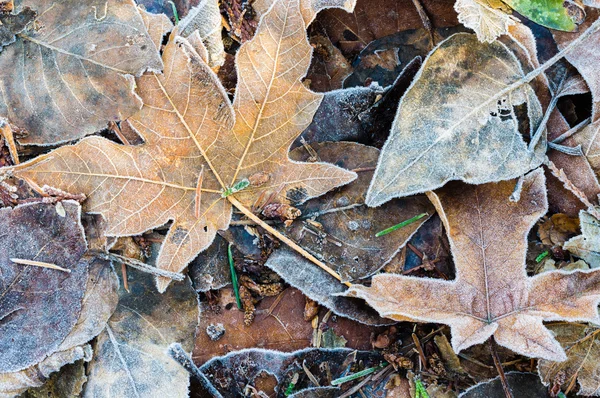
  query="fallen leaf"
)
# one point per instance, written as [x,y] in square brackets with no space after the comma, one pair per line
[190,160]
[491,295]
[484,17]
[210,270]
[586,56]
[74,81]
[344,236]
[67,383]
[583,349]
[586,245]
[453,125]
[13,24]
[231,373]
[521,385]
[130,357]
[206,19]
[44,302]
[589,139]
[328,67]
[278,325]
[558,229]
[97,306]
[553,14]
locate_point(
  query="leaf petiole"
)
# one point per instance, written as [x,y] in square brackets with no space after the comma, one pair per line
[401,225]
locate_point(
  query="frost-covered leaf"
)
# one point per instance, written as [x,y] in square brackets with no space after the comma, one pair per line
[198,145]
[68,383]
[483,16]
[130,357]
[231,373]
[589,139]
[491,294]
[586,245]
[65,76]
[581,344]
[206,19]
[521,385]
[44,302]
[452,124]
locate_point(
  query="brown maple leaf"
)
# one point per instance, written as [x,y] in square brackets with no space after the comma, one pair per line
[491,295]
[198,145]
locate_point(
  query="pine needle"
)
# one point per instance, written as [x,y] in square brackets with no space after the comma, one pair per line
[39,264]
[401,225]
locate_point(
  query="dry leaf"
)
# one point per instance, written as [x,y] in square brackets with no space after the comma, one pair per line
[586,245]
[65,76]
[44,302]
[339,229]
[583,350]
[488,21]
[491,295]
[521,385]
[206,19]
[198,145]
[558,229]
[452,124]
[589,139]
[68,383]
[231,373]
[130,357]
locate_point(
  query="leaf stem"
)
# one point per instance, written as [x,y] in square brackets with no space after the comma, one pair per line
[285,239]
[234,280]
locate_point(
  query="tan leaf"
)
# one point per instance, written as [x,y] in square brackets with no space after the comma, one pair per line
[589,139]
[586,245]
[194,135]
[67,75]
[458,122]
[486,20]
[583,350]
[491,295]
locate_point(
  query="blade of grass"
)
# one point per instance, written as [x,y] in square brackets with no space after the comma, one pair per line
[542,256]
[41,264]
[401,225]
[357,375]
[234,280]
[175,14]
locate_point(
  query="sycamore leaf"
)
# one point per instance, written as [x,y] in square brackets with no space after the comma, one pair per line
[553,14]
[488,21]
[64,77]
[491,295]
[586,245]
[582,346]
[198,145]
[454,124]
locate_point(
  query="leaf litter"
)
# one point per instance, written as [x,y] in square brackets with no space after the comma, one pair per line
[209,149]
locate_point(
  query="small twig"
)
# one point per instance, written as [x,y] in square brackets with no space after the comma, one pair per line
[177,353]
[285,239]
[311,376]
[425,20]
[39,264]
[141,266]
[356,387]
[572,131]
[500,369]
[124,273]
[420,350]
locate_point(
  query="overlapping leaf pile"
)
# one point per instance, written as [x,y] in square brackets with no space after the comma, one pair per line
[182,136]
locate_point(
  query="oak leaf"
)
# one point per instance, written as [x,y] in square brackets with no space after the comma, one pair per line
[68,73]
[491,295]
[198,144]
[458,122]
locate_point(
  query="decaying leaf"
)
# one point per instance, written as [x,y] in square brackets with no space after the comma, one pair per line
[586,245]
[65,76]
[231,373]
[491,295]
[206,19]
[98,304]
[130,357]
[68,383]
[340,229]
[44,302]
[521,385]
[278,324]
[452,124]
[558,229]
[198,145]
[210,270]
[583,350]
[485,17]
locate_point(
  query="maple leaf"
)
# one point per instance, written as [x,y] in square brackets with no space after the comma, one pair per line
[65,75]
[198,144]
[491,295]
